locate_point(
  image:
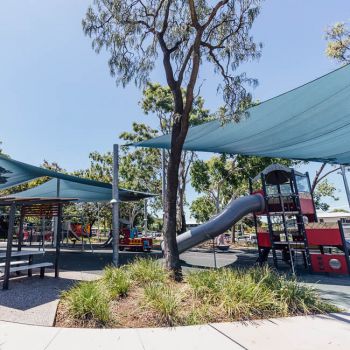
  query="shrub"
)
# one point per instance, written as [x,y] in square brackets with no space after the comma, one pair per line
[116,281]
[145,271]
[164,300]
[88,301]
[255,293]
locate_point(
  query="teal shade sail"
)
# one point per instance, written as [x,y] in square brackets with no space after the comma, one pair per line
[13,173]
[79,191]
[311,122]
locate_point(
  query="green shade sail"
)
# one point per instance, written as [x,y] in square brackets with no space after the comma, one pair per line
[311,122]
[13,173]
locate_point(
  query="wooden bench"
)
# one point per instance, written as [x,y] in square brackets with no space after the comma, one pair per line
[30,267]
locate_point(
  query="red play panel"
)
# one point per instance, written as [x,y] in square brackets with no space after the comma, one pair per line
[333,263]
[324,236]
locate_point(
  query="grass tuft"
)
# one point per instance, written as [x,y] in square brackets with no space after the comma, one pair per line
[88,301]
[255,293]
[116,281]
[145,271]
[205,296]
[164,300]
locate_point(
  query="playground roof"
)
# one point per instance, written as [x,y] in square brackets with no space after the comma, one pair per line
[13,173]
[311,122]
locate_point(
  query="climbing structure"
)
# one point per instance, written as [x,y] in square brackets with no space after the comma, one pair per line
[288,229]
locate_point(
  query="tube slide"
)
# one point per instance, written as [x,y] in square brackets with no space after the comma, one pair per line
[235,210]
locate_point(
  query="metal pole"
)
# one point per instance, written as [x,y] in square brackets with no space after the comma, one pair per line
[346,185]
[163,177]
[43,225]
[145,216]
[20,232]
[59,238]
[115,206]
[9,246]
[217,212]
[55,219]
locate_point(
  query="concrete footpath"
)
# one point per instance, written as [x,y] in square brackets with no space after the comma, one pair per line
[304,332]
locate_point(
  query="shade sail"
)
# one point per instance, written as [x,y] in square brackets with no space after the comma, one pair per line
[83,192]
[13,173]
[311,122]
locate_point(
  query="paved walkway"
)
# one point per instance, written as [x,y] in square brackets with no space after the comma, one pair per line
[318,332]
[34,300]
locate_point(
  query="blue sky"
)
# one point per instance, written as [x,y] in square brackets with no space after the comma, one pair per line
[58,101]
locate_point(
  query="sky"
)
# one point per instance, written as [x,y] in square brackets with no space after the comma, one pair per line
[58,101]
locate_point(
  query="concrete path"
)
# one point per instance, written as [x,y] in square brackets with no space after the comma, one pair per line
[318,332]
[34,300]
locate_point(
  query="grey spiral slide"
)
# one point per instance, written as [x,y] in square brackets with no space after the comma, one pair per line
[234,211]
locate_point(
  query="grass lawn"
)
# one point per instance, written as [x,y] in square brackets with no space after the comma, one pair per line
[142,294]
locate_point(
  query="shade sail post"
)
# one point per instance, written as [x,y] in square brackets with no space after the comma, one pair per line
[9,245]
[55,219]
[20,230]
[58,239]
[163,179]
[115,206]
[145,214]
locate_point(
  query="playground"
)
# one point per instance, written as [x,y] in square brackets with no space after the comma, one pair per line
[103,255]
[292,250]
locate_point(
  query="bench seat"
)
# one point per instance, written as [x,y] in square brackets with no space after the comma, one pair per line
[30,267]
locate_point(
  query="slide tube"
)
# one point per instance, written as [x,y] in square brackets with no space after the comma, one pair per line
[234,211]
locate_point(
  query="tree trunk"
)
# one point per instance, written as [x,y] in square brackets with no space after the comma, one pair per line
[233,239]
[170,245]
[178,135]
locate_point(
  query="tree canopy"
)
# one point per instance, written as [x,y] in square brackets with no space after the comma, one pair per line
[338,46]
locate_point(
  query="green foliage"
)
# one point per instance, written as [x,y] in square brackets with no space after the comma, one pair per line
[158,100]
[255,293]
[338,46]
[324,190]
[116,281]
[134,33]
[88,301]
[202,208]
[145,271]
[164,300]
[206,296]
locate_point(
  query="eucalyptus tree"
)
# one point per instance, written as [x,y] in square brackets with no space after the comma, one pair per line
[158,100]
[183,37]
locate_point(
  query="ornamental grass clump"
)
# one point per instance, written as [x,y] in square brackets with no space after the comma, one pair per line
[145,271]
[116,281]
[254,293]
[164,300]
[88,301]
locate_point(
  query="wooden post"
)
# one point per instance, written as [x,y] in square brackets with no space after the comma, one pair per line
[58,240]
[9,245]
[115,206]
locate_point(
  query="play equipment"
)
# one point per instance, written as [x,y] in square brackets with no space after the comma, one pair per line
[76,233]
[281,198]
[130,239]
[134,243]
[291,232]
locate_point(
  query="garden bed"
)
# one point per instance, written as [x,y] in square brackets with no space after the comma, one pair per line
[142,294]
